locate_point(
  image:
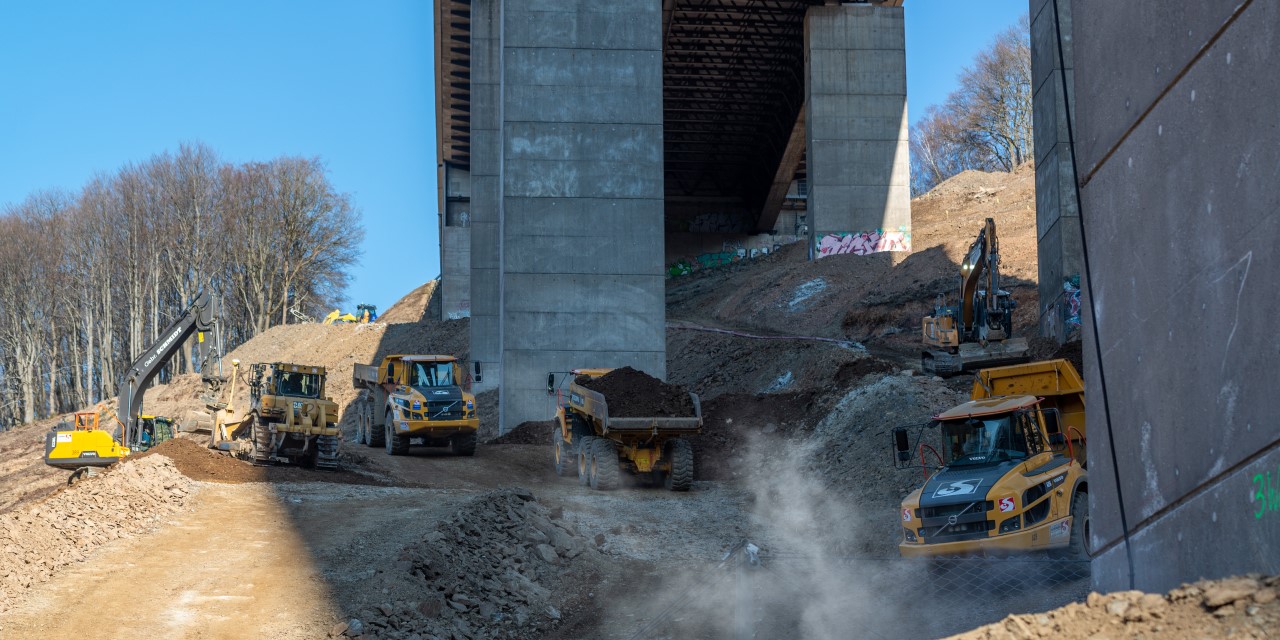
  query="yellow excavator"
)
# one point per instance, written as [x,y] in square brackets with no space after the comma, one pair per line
[978,331]
[85,445]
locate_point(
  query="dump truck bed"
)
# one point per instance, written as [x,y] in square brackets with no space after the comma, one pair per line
[364,375]
[594,404]
[1056,381]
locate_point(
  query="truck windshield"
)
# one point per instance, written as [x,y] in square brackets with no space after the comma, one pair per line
[431,374]
[298,385]
[983,440]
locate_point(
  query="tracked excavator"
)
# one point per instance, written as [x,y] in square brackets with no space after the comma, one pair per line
[88,445]
[978,331]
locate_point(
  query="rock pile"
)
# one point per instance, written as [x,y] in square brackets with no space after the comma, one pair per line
[636,394]
[1244,607]
[131,498]
[490,570]
[532,432]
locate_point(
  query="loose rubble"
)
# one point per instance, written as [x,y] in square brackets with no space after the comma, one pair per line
[131,498]
[490,570]
[1239,607]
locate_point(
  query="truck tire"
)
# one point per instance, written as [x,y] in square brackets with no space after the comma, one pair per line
[463,444]
[584,456]
[604,465]
[680,477]
[566,464]
[396,445]
[377,437]
[1079,545]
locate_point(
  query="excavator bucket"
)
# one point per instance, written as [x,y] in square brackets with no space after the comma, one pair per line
[972,355]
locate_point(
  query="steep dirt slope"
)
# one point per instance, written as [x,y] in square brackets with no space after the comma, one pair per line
[866,296]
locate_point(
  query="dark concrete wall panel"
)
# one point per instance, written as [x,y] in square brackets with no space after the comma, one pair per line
[1148,42]
[584,24]
[1183,221]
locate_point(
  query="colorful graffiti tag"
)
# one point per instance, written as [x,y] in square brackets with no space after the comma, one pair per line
[862,243]
[1071,293]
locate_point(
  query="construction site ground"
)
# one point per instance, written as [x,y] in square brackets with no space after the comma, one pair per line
[803,369]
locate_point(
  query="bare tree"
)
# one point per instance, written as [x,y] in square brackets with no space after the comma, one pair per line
[986,123]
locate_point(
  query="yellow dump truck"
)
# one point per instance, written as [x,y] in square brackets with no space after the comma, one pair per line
[415,397]
[1008,468]
[597,447]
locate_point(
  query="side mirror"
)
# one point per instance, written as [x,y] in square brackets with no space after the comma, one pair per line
[901,444]
[551,384]
[476,366]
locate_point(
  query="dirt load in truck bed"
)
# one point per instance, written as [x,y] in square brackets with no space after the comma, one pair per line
[636,394]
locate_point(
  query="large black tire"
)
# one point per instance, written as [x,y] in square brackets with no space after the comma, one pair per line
[1078,548]
[396,445]
[566,464]
[376,435]
[261,436]
[605,475]
[680,453]
[585,454]
[463,444]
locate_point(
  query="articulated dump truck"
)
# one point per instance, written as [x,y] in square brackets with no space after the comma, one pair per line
[415,397]
[596,446]
[1010,474]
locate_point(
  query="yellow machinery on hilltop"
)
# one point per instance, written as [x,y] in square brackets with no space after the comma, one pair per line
[1011,474]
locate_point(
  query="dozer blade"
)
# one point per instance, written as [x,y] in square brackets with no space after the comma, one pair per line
[974,356]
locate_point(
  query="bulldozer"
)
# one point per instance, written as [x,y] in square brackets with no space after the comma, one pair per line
[290,420]
[978,331]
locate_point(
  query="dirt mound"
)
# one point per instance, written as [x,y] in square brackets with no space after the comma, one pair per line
[492,569]
[487,412]
[412,307]
[1074,352]
[199,462]
[533,432]
[636,394]
[1042,348]
[733,423]
[1244,607]
[882,296]
[130,498]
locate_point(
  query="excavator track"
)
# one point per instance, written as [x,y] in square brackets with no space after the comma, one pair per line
[327,448]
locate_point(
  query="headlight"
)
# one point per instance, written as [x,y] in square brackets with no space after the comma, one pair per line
[909,535]
[1012,524]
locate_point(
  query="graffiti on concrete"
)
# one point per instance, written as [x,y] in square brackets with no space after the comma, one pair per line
[1265,495]
[719,223]
[730,251]
[862,243]
[1071,302]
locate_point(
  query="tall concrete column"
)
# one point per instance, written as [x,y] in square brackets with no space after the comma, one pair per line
[856,130]
[1057,214]
[455,242]
[486,193]
[567,193]
[1178,153]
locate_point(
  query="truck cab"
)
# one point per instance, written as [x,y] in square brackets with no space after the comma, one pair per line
[1010,471]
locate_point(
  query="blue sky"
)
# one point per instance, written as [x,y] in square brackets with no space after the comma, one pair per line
[89,86]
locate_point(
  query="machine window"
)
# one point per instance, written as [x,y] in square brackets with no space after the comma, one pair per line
[431,374]
[981,441]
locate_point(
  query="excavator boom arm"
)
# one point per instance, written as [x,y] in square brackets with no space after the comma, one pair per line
[198,319]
